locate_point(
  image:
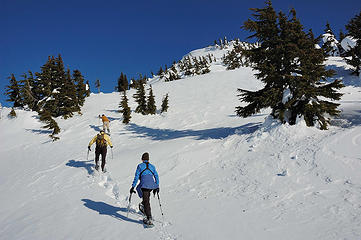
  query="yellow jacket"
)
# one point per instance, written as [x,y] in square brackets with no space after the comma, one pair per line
[106,138]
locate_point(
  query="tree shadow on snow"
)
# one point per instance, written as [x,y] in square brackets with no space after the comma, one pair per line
[106,209]
[112,110]
[81,164]
[348,119]
[113,119]
[345,75]
[96,128]
[40,131]
[215,133]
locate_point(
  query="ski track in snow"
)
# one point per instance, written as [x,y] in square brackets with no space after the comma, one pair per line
[105,181]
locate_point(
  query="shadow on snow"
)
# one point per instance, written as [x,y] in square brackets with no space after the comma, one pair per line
[348,119]
[215,133]
[106,209]
[345,74]
[81,164]
[40,131]
[96,128]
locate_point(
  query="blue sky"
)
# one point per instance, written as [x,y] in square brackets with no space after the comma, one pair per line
[104,38]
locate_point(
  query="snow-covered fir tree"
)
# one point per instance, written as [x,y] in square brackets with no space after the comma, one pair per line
[291,69]
[330,44]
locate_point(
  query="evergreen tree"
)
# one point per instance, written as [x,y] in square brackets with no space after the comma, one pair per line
[26,91]
[13,92]
[81,87]
[140,98]
[97,85]
[330,44]
[51,124]
[45,79]
[292,70]
[160,72]
[164,107]
[122,83]
[125,109]
[68,101]
[151,108]
[354,54]
[12,113]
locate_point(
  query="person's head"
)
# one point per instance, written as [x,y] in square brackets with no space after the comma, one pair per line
[145,157]
[103,115]
[102,132]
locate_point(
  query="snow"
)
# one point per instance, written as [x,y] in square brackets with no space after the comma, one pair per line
[221,176]
[328,37]
[348,42]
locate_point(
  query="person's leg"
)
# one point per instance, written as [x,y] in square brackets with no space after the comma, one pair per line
[107,125]
[104,126]
[146,202]
[97,153]
[104,154]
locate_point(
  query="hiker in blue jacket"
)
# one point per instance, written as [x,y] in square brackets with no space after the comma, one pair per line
[149,181]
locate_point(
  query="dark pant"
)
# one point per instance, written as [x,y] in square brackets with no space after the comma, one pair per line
[146,202]
[103,152]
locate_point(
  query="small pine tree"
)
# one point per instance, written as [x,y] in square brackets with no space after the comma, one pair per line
[140,98]
[125,109]
[97,85]
[14,92]
[165,106]
[151,108]
[12,113]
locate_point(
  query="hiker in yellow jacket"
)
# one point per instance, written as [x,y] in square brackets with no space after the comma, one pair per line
[106,122]
[102,140]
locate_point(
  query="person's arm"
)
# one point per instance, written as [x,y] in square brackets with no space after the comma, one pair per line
[136,176]
[92,141]
[156,177]
[107,139]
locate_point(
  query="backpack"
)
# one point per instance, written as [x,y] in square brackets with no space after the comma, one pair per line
[147,168]
[101,142]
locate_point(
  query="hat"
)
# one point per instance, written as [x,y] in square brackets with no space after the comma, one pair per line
[145,156]
[101,131]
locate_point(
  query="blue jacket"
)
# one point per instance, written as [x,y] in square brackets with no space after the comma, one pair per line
[149,178]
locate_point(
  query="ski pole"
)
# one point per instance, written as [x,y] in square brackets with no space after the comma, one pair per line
[160,206]
[130,200]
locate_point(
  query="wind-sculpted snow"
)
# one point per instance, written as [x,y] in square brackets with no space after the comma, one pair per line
[221,176]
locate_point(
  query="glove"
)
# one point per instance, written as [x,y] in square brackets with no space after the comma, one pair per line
[89,148]
[111,146]
[155,191]
[132,190]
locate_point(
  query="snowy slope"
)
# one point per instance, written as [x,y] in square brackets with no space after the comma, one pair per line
[222,177]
